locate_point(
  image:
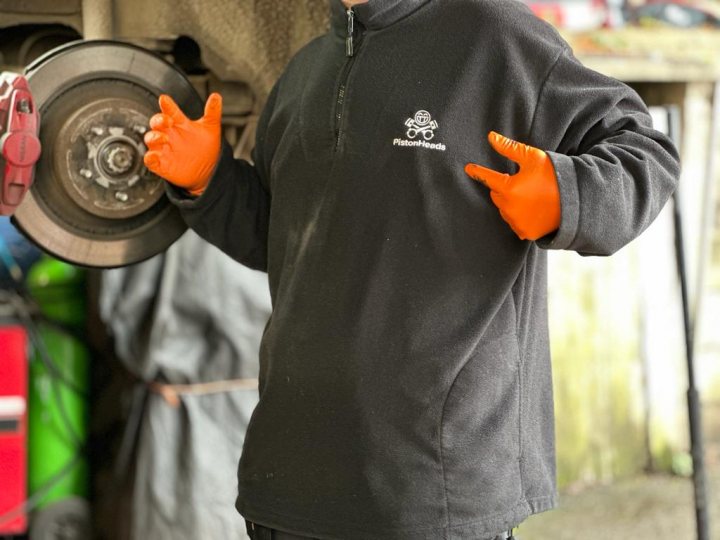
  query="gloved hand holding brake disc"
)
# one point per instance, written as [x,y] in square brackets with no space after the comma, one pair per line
[529,201]
[182,151]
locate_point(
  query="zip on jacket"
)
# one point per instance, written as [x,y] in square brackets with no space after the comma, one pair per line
[351,44]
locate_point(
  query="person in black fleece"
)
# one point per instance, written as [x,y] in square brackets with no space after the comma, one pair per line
[405,370]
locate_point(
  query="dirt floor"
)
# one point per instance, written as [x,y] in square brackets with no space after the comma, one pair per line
[652,507]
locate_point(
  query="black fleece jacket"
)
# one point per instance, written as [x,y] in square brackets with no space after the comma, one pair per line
[405,372]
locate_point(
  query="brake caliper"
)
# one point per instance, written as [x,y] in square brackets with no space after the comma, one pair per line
[19,143]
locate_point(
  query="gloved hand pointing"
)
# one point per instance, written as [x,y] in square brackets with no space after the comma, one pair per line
[529,201]
[183,151]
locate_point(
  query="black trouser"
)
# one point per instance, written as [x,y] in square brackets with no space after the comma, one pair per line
[258,532]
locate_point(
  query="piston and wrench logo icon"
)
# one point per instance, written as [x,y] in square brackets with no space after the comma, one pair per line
[421,123]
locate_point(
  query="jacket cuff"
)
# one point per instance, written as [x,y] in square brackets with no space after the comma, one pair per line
[569,204]
[183,199]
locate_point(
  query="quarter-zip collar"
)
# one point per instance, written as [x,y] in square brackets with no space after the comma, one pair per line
[374,14]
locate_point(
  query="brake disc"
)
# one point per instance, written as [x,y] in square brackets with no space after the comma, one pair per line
[93,202]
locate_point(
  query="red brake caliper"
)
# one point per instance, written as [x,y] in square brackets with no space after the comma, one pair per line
[19,143]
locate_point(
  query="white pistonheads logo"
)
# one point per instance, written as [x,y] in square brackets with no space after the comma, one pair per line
[420,124]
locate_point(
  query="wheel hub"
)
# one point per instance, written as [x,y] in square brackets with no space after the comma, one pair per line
[100,152]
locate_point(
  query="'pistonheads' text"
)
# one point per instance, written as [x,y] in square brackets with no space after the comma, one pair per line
[423,144]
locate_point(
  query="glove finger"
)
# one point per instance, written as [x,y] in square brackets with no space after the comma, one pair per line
[507,219]
[155,140]
[169,107]
[213,109]
[498,200]
[153,161]
[160,121]
[496,181]
[507,147]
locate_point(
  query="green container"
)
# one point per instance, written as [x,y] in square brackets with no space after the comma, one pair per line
[59,379]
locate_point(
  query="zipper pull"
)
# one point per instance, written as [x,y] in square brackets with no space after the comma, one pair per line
[349,45]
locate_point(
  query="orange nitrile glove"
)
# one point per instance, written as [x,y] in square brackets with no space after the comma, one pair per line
[530,200]
[183,151]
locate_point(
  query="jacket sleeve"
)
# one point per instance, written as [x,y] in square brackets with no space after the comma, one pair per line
[614,171]
[233,212]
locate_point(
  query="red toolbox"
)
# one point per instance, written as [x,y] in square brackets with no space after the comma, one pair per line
[13,429]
